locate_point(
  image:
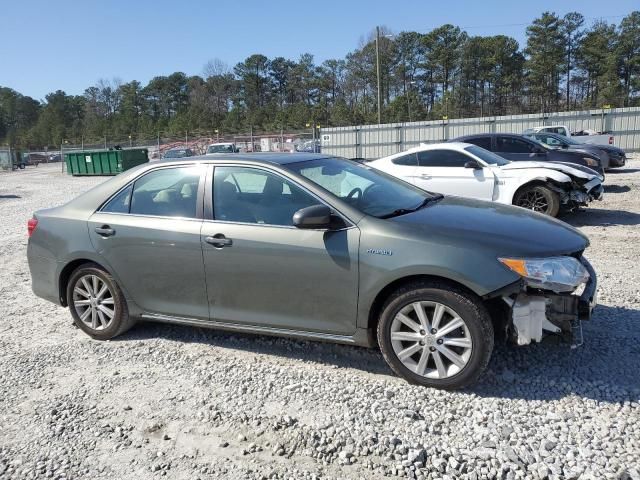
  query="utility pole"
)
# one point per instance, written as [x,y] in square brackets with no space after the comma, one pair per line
[378,74]
[158,144]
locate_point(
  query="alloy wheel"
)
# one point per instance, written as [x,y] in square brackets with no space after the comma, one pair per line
[431,339]
[533,200]
[93,302]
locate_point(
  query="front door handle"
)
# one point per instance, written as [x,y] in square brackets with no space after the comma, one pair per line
[425,175]
[219,241]
[105,231]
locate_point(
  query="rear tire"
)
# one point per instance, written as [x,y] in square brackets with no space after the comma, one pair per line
[448,346]
[97,304]
[538,198]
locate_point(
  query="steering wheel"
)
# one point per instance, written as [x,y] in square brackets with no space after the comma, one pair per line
[352,193]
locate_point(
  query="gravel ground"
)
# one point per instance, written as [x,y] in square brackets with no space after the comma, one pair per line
[191,403]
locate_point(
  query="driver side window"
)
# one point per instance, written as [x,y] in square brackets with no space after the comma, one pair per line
[513,145]
[442,158]
[251,195]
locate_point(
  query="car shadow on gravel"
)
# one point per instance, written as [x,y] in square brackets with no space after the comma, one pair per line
[623,170]
[617,188]
[344,356]
[605,368]
[595,217]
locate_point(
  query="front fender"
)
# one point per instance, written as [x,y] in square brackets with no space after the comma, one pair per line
[469,264]
[513,184]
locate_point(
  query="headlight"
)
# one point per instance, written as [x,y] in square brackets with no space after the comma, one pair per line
[592,162]
[559,274]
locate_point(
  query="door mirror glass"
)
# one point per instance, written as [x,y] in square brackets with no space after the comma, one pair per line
[472,164]
[315,216]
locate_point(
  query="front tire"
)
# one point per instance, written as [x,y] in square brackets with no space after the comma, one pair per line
[97,304]
[436,335]
[538,198]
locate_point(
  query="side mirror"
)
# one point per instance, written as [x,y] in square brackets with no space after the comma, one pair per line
[473,164]
[315,216]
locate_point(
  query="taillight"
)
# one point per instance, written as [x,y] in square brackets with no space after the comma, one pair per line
[610,140]
[31,225]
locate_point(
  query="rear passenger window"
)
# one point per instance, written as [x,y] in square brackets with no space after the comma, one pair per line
[120,203]
[409,159]
[484,142]
[170,192]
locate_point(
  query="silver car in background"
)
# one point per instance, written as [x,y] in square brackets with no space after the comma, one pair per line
[315,247]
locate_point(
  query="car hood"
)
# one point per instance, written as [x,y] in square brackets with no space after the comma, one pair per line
[570,169]
[503,229]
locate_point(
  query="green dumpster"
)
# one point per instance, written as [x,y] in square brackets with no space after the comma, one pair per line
[104,162]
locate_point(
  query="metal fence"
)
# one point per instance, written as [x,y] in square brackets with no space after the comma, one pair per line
[374,141]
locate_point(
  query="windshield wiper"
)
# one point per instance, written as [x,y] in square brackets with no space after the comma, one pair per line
[404,211]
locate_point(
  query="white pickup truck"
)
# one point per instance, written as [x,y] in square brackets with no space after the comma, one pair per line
[585,136]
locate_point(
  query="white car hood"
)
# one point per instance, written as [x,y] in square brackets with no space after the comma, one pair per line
[561,167]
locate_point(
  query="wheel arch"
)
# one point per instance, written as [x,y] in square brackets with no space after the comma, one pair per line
[554,184]
[67,271]
[389,289]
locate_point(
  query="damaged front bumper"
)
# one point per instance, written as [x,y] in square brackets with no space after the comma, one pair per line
[537,314]
[584,194]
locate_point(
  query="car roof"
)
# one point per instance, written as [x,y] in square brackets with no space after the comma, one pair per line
[452,145]
[276,158]
[475,135]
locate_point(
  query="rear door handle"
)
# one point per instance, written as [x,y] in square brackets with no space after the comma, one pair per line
[105,231]
[219,241]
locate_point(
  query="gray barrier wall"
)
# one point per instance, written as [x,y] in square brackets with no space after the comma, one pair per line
[374,141]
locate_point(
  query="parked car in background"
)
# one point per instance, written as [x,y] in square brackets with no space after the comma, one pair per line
[589,137]
[520,148]
[313,247]
[470,171]
[178,153]
[222,148]
[310,146]
[610,156]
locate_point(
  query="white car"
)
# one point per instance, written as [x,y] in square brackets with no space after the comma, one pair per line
[223,147]
[467,170]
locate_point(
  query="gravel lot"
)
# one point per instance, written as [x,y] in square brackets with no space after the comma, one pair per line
[191,403]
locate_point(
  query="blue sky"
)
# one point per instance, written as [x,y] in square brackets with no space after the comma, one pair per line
[70,45]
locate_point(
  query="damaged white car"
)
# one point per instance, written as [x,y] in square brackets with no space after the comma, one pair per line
[470,171]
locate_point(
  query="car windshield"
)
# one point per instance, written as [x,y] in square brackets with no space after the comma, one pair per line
[487,156]
[363,187]
[220,149]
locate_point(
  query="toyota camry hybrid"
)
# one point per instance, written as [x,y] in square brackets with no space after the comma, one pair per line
[315,247]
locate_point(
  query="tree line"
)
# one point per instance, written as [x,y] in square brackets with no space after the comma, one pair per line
[565,64]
